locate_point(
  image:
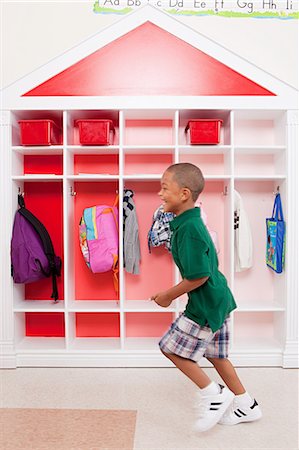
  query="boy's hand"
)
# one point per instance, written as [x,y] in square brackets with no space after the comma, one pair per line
[162,299]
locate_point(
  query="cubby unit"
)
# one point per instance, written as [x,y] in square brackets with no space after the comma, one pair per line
[91,318]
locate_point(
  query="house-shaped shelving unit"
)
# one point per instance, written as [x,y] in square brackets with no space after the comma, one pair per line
[150,74]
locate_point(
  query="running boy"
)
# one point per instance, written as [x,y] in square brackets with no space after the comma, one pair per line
[203,328]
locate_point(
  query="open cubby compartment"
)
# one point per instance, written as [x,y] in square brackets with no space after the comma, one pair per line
[156,268]
[259,128]
[258,198]
[260,160]
[94,331]
[258,331]
[92,161]
[39,331]
[143,330]
[73,129]
[186,115]
[143,161]
[28,162]
[45,201]
[149,128]
[56,116]
[84,285]
[212,160]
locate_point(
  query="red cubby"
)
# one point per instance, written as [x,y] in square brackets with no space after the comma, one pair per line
[44,200]
[97,324]
[44,324]
[88,285]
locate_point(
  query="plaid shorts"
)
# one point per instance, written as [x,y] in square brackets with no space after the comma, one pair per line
[190,340]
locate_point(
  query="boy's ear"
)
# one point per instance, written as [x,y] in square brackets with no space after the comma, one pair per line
[186,194]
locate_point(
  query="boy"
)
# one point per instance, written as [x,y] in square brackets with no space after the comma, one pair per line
[202,330]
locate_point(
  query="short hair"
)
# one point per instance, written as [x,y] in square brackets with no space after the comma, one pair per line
[190,176]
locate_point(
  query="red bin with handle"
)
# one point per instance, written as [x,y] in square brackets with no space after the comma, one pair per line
[95,131]
[40,132]
[204,131]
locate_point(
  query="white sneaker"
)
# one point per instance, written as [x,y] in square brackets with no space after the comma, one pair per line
[237,414]
[212,407]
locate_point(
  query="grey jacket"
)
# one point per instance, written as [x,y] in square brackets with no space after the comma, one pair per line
[131,234]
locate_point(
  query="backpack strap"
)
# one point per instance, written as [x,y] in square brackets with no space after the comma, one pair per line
[46,241]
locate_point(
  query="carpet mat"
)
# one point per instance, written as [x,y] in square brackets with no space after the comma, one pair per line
[66,429]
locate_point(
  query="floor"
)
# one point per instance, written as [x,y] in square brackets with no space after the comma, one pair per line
[163,399]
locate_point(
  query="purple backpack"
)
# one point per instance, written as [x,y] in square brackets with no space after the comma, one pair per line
[32,251]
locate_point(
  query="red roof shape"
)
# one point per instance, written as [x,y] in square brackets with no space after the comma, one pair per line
[148,61]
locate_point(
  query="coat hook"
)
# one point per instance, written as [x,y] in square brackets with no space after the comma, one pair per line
[20,192]
[225,192]
[72,192]
[277,190]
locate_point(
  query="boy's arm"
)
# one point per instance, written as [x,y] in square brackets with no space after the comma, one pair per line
[165,298]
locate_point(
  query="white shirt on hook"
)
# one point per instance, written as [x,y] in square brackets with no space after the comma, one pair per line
[242,234]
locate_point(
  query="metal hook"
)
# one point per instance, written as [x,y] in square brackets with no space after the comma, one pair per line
[277,190]
[72,192]
[22,193]
[225,192]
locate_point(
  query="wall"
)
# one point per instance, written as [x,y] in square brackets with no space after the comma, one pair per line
[33,32]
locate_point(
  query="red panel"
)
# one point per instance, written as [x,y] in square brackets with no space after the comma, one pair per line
[45,201]
[148,61]
[148,324]
[45,324]
[104,164]
[37,164]
[97,325]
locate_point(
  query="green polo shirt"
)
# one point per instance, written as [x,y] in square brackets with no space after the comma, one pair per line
[194,253]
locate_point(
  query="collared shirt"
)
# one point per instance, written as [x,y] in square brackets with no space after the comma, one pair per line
[194,253]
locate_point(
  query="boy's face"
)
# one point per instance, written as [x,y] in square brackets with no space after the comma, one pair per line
[171,194]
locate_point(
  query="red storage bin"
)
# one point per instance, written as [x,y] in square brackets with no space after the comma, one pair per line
[204,131]
[95,131]
[40,132]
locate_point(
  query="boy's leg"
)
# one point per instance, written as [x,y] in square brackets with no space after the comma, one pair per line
[228,374]
[244,408]
[190,369]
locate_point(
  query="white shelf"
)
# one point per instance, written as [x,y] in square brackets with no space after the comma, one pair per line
[38,150]
[37,177]
[39,306]
[94,306]
[91,344]
[143,177]
[152,149]
[259,177]
[259,149]
[93,176]
[145,306]
[259,306]
[93,149]
[142,344]
[38,344]
[204,149]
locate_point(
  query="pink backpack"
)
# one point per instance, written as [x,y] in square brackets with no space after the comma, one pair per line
[98,235]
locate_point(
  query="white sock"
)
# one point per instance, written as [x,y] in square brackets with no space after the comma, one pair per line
[244,399]
[212,389]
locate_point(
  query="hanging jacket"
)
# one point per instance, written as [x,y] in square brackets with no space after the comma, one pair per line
[242,235]
[131,234]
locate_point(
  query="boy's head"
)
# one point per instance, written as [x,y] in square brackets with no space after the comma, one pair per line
[181,185]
